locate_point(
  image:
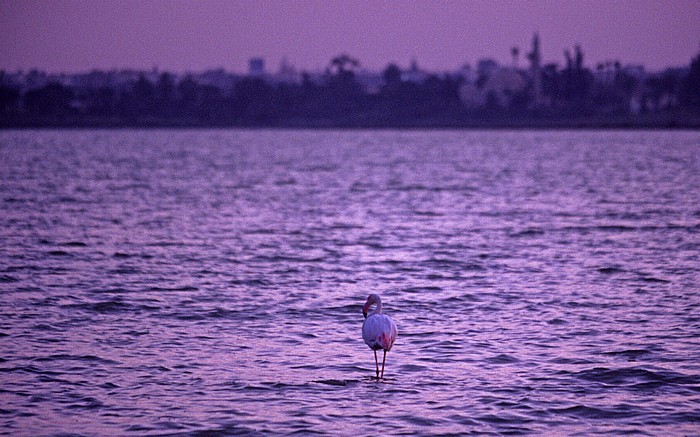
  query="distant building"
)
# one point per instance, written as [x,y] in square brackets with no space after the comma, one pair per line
[414,74]
[535,58]
[371,82]
[471,96]
[606,72]
[287,73]
[256,67]
[501,86]
[218,78]
[486,67]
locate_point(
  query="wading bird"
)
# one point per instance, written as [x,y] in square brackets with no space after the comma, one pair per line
[378,330]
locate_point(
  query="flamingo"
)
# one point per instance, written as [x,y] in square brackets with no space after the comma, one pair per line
[378,330]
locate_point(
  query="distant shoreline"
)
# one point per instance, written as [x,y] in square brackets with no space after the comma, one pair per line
[656,121]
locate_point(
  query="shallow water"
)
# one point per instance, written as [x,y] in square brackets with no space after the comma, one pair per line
[158,282]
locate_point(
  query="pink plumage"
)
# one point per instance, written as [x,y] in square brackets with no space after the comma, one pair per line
[378,330]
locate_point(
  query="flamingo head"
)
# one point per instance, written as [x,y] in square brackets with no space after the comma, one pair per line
[372,299]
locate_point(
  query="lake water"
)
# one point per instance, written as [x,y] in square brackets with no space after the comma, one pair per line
[166,282]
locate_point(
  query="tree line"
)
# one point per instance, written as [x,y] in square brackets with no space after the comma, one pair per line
[338,99]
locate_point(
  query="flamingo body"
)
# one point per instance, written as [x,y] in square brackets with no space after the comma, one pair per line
[378,330]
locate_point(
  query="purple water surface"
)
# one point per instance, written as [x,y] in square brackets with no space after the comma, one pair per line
[180,281]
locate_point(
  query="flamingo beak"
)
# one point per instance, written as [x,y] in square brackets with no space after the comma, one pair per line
[365,308]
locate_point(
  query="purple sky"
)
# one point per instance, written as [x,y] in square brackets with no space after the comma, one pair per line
[69,36]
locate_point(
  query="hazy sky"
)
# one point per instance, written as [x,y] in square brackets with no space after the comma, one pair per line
[69,36]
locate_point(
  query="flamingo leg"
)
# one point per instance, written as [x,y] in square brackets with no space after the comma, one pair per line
[383,361]
[376,363]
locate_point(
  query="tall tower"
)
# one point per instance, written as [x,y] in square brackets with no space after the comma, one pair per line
[535,68]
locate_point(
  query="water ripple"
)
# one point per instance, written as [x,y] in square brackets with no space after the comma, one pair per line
[211,282]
